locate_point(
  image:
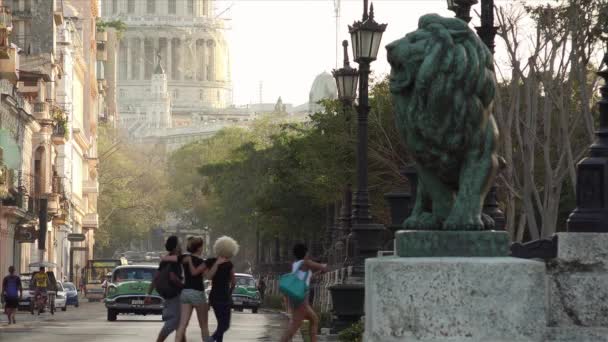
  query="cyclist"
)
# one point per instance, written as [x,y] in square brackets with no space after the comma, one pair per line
[41,283]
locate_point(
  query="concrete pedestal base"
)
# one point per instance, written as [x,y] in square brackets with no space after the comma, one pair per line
[578,286]
[454,299]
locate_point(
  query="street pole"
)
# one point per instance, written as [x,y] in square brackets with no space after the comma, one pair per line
[366,236]
[361,199]
[591,213]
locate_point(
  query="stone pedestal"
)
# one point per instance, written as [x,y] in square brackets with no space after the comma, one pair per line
[454,299]
[578,287]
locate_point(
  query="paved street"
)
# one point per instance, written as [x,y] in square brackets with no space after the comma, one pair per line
[88,323]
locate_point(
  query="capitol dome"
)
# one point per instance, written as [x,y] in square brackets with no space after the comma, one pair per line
[323,87]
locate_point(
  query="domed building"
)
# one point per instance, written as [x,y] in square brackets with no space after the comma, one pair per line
[189,39]
[323,87]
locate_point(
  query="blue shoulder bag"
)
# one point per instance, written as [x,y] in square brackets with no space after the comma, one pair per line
[293,287]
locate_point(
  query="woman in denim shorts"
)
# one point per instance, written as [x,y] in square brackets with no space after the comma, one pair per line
[193,294]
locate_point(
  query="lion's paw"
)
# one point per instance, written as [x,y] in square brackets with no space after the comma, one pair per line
[463,222]
[423,221]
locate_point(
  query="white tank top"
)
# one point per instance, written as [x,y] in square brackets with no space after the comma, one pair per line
[303,275]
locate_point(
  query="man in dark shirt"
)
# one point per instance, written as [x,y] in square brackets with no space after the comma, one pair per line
[11,292]
[262,288]
[172,307]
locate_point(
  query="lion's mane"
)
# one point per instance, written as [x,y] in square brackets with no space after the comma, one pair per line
[443,83]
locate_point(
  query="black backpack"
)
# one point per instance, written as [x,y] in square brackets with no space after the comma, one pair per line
[164,285]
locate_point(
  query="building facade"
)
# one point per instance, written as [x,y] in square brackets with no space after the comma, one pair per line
[189,39]
[49,112]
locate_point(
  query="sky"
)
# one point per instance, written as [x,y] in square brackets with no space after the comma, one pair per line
[285,44]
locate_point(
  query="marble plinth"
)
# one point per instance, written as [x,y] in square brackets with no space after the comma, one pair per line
[455,299]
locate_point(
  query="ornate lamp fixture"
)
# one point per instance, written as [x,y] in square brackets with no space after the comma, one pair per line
[462,8]
[347,78]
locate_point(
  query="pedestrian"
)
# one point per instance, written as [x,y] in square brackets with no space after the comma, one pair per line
[303,267]
[41,283]
[262,288]
[193,295]
[223,281]
[171,309]
[11,292]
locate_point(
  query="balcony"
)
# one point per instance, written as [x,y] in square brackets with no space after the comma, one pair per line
[6,18]
[60,130]
[64,36]
[41,111]
[102,52]
[22,14]
[9,63]
[90,186]
[90,221]
[60,135]
[53,204]
[101,36]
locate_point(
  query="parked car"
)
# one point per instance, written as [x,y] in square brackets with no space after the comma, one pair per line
[25,301]
[245,294]
[128,289]
[152,256]
[60,297]
[71,294]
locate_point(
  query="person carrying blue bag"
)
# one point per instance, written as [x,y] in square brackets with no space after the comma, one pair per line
[295,286]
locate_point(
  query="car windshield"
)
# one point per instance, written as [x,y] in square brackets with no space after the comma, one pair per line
[69,287]
[245,281]
[126,274]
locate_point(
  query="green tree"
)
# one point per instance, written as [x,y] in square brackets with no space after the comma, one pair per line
[133,190]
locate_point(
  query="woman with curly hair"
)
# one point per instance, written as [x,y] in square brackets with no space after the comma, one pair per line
[221,272]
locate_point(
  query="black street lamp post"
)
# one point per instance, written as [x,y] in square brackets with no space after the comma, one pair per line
[591,213]
[365,237]
[347,79]
[366,36]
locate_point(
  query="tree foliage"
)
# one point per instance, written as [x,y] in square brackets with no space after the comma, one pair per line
[132,191]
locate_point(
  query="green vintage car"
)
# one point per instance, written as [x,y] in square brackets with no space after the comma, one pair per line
[245,294]
[128,289]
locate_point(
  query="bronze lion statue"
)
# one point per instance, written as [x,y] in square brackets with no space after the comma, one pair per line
[443,85]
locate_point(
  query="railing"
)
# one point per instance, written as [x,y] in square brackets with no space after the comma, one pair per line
[57,186]
[59,131]
[23,14]
[319,285]
[6,18]
[21,40]
[41,107]
[64,36]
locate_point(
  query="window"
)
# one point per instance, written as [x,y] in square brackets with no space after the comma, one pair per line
[190,6]
[172,6]
[151,8]
[201,94]
[175,93]
[131,6]
[114,6]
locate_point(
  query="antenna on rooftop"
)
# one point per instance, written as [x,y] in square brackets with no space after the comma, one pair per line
[337,13]
[261,88]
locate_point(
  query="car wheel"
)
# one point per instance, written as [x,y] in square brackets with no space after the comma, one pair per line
[254,310]
[112,315]
[76,305]
[238,309]
[64,308]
